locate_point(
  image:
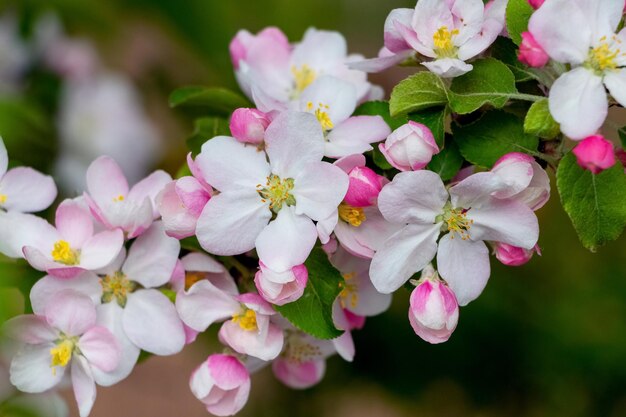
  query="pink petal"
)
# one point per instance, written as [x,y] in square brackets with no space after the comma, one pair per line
[101,249]
[71,312]
[106,181]
[30,329]
[47,287]
[100,348]
[84,385]
[204,304]
[149,187]
[313,195]
[249,342]
[74,223]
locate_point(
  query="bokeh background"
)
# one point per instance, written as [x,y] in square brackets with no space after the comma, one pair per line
[545,339]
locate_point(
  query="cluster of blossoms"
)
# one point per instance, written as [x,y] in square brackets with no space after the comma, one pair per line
[298,184]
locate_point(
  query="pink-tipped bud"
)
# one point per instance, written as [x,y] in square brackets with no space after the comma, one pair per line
[531,53]
[222,383]
[180,204]
[410,147]
[281,287]
[595,154]
[365,185]
[513,255]
[434,310]
[248,125]
[535,4]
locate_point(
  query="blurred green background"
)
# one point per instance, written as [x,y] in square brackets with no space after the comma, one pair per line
[545,339]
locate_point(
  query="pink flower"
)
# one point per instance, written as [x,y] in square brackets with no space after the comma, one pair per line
[434,311]
[114,205]
[365,185]
[531,53]
[536,3]
[244,45]
[246,329]
[410,147]
[248,125]
[180,204]
[595,154]
[222,383]
[281,287]
[302,363]
[66,335]
[521,178]
[513,255]
[23,189]
[72,247]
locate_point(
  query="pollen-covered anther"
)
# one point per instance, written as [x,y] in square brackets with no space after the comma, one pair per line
[116,287]
[3,198]
[278,192]
[604,56]
[443,42]
[64,254]
[118,199]
[354,216]
[321,112]
[61,354]
[303,77]
[456,221]
[299,351]
[349,295]
[246,320]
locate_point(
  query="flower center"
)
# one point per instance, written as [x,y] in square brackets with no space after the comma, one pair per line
[351,215]
[349,295]
[604,56]
[277,192]
[456,221]
[3,198]
[61,354]
[442,39]
[63,253]
[298,350]
[321,112]
[193,277]
[118,199]
[303,77]
[116,287]
[246,320]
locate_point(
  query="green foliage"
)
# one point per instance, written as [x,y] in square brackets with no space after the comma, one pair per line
[435,120]
[447,162]
[490,82]
[207,100]
[518,13]
[206,128]
[420,91]
[379,159]
[596,204]
[492,136]
[312,313]
[539,121]
[380,108]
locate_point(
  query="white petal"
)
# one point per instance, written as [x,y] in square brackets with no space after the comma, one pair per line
[403,254]
[506,221]
[27,190]
[448,67]
[319,187]
[464,265]
[46,288]
[578,102]
[615,81]
[151,322]
[204,304]
[338,95]
[84,385]
[31,371]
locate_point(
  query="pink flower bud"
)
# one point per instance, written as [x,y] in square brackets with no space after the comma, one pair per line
[248,125]
[531,53]
[365,185]
[595,154]
[514,256]
[281,287]
[434,311]
[222,383]
[410,147]
[535,4]
[354,321]
[180,204]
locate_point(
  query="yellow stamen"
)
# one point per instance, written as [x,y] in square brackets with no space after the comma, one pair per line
[278,192]
[193,277]
[351,215]
[116,286]
[64,254]
[349,294]
[247,320]
[456,221]
[321,112]
[298,350]
[118,199]
[61,354]
[3,198]
[303,77]
[602,57]
[442,39]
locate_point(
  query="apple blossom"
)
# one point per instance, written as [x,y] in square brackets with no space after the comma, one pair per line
[222,383]
[281,287]
[467,214]
[531,53]
[587,41]
[114,205]
[410,147]
[447,32]
[248,125]
[434,311]
[595,154]
[23,189]
[180,203]
[514,256]
[364,187]
[522,179]
[66,335]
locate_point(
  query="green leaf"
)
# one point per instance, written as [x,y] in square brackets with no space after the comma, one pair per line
[312,313]
[191,244]
[596,204]
[539,121]
[208,100]
[447,162]
[490,82]
[435,120]
[420,91]
[380,160]
[206,128]
[380,108]
[492,136]
[518,13]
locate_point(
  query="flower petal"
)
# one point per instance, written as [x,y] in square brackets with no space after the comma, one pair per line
[319,187]
[84,385]
[102,249]
[338,95]
[27,190]
[204,304]
[71,312]
[47,287]
[74,223]
[30,329]
[149,188]
[615,82]
[101,348]
[106,181]
[354,135]
[31,371]
[249,342]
